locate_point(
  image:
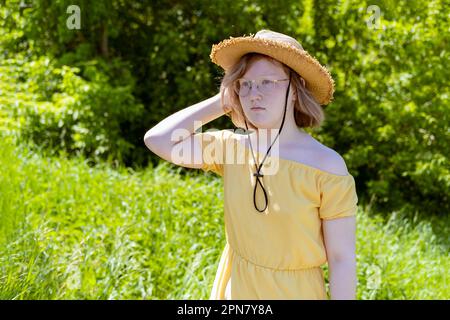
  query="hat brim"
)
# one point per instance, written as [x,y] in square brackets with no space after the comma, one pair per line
[318,79]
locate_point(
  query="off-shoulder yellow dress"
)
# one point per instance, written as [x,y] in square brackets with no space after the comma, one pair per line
[276,254]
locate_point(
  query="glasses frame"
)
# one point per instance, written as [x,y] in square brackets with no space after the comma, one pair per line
[253,82]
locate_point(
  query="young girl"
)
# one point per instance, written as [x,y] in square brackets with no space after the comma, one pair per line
[290,206]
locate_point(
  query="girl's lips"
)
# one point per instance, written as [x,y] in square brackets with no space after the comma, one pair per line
[257,108]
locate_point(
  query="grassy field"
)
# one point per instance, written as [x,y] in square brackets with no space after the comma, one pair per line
[72,231]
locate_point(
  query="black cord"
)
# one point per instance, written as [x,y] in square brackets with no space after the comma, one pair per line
[258,173]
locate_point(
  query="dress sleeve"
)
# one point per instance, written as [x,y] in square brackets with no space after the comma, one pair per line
[213,144]
[338,197]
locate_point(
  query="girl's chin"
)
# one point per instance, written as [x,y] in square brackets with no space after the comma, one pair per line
[260,122]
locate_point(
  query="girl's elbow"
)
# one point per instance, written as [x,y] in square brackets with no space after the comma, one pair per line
[151,140]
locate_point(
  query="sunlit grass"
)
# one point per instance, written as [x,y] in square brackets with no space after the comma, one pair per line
[71,231]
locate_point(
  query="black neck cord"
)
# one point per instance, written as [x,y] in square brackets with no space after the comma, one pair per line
[258,173]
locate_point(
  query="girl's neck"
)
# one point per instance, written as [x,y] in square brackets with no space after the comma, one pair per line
[286,137]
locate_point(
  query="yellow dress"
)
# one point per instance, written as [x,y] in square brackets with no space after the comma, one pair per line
[276,254]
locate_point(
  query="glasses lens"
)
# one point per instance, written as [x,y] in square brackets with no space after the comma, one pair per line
[243,87]
[266,86]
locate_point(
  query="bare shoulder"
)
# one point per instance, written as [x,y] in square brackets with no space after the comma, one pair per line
[330,160]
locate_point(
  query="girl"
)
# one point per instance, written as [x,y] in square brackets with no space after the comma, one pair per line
[286,214]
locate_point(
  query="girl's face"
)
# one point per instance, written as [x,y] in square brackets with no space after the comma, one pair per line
[272,100]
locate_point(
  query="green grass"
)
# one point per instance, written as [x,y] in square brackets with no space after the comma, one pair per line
[72,231]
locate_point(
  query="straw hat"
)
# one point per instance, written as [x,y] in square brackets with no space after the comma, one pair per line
[284,49]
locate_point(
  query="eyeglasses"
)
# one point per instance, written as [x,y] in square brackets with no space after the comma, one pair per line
[243,87]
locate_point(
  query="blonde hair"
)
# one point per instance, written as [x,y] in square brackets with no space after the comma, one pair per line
[307,111]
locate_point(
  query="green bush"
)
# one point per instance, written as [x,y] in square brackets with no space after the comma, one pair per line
[61,110]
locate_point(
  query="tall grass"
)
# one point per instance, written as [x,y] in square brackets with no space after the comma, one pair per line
[72,231]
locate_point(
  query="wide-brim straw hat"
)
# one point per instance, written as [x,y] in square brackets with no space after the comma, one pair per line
[284,49]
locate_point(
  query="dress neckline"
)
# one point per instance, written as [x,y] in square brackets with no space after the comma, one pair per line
[293,162]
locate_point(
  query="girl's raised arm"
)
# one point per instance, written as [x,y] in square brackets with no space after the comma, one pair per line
[179,128]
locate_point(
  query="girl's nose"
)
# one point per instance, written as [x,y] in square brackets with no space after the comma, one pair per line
[254,91]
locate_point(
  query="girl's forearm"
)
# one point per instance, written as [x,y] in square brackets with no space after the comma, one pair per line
[190,118]
[342,279]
